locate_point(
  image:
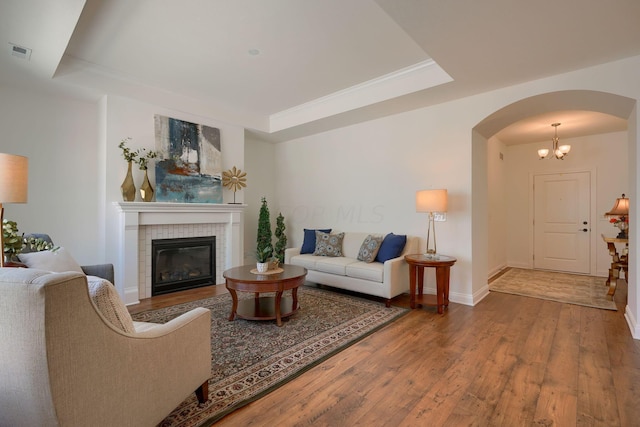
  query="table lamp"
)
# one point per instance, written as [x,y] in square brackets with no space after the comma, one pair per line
[431,201]
[621,210]
[13,186]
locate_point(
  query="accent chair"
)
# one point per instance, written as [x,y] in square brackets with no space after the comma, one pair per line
[64,362]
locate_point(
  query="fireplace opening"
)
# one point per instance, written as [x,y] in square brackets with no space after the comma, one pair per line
[182,263]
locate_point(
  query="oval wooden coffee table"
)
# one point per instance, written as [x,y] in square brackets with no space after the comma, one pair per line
[241,279]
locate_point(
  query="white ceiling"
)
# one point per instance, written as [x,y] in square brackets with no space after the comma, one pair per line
[286,68]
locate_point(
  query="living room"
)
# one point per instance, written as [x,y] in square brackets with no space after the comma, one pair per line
[71,137]
[354,172]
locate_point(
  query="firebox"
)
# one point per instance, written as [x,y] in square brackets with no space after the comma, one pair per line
[182,263]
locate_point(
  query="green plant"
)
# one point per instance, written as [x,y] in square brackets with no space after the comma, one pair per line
[263,243]
[129,156]
[143,157]
[14,243]
[281,243]
[264,254]
[37,245]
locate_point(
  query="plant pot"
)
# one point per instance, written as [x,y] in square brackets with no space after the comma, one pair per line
[262,267]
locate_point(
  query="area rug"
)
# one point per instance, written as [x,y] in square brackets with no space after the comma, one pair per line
[252,358]
[562,287]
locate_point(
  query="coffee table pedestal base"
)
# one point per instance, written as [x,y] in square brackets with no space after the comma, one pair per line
[264,308]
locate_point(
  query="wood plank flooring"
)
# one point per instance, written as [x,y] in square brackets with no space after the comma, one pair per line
[509,361]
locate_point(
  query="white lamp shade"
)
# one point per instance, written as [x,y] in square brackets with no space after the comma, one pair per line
[431,201]
[13,178]
[543,152]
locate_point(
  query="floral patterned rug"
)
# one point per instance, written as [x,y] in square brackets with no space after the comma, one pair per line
[252,358]
[577,289]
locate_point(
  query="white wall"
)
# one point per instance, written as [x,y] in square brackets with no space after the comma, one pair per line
[260,162]
[498,203]
[364,177]
[603,155]
[59,136]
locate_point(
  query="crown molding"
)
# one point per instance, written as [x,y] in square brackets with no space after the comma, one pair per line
[420,76]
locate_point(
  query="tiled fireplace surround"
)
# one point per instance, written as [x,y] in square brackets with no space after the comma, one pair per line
[140,223]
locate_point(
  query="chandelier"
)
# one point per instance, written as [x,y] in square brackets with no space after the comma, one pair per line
[559,151]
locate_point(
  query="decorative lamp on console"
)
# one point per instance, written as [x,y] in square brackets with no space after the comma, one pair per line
[620,216]
[13,186]
[431,201]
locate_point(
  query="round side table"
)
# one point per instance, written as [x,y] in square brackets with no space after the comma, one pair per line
[417,264]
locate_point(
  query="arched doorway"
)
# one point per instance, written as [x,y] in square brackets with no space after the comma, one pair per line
[607,103]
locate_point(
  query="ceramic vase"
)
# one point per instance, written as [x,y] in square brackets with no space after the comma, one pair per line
[146,190]
[262,267]
[128,187]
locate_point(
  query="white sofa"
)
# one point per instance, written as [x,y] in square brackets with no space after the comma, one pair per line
[386,280]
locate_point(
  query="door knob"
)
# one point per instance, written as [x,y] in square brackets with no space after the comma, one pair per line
[584,229]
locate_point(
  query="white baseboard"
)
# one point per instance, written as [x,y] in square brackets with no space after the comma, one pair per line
[633,323]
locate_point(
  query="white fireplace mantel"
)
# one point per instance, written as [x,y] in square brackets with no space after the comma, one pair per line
[135,215]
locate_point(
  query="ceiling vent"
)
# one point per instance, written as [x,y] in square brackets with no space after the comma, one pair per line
[20,52]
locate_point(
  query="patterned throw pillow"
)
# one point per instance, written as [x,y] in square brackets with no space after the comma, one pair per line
[328,244]
[370,248]
[309,242]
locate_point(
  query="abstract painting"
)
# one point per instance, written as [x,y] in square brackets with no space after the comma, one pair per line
[189,165]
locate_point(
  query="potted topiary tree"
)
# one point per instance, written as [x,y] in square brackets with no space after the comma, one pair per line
[281,243]
[264,249]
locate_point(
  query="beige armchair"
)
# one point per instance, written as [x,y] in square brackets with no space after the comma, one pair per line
[63,363]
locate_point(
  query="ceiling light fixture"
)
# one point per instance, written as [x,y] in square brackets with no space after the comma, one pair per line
[559,151]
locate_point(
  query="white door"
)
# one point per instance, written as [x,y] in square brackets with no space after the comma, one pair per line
[562,226]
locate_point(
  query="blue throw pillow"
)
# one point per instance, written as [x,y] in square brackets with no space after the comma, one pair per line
[309,242]
[392,246]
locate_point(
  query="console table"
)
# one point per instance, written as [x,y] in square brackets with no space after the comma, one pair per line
[618,262]
[417,264]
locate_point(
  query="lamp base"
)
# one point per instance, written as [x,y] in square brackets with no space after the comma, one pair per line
[431,254]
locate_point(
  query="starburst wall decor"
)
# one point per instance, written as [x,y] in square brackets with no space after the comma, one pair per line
[234,179]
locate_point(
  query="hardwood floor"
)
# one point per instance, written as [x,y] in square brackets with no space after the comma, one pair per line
[509,361]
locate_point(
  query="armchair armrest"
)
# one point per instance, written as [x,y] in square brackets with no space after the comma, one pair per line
[154,330]
[104,271]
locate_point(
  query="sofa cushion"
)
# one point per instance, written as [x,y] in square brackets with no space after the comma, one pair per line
[309,242]
[366,271]
[307,261]
[328,244]
[391,247]
[56,260]
[334,265]
[108,302]
[370,247]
